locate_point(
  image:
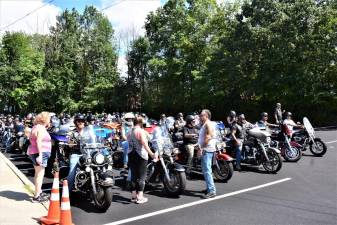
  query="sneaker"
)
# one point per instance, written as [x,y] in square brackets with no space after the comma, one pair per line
[45,195]
[142,201]
[210,195]
[39,199]
[134,200]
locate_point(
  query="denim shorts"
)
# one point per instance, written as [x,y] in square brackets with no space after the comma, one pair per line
[45,157]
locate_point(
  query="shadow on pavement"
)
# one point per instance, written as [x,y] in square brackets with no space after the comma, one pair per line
[18,196]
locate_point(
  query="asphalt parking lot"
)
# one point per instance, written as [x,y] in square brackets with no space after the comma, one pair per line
[301,193]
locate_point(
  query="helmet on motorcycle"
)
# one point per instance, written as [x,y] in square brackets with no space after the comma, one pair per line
[288,114]
[129,115]
[232,113]
[242,117]
[91,118]
[189,119]
[264,114]
[79,118]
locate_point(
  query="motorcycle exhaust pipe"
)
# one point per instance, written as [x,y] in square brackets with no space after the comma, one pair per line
[92,177]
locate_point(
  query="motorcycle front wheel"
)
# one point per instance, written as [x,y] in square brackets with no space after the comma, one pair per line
[292,154]
[318,148]
[275,162]
[176,185]
[103,198]
[224,171]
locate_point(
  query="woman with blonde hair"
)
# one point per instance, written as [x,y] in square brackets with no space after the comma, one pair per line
[39,152]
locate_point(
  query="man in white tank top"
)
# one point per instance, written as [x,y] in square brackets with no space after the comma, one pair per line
[207,144]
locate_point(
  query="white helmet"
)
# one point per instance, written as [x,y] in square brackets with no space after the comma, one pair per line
[129,115]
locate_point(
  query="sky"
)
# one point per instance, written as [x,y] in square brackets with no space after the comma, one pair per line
[39,15]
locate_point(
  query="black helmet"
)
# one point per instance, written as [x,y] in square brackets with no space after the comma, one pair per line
[189,119]
[232,113]
[288,114]
[91,118]
[264,114]
[180,115]
[79,117]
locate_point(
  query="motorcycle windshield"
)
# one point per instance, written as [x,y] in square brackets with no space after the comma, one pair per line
[161,140]
[308,126]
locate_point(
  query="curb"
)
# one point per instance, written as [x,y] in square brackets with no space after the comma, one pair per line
[28,185]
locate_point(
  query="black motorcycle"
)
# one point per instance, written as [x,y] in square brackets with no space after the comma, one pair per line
[94,174]
[256,150]
[165,170]
[306,139]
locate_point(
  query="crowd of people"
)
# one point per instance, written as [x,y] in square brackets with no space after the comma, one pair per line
[196,129]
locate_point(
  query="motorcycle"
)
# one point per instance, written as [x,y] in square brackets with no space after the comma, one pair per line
[165,170]
[257,151]
[94,174]
[290,150]
[21,142]
[8,139]
[222,163]
[306,138]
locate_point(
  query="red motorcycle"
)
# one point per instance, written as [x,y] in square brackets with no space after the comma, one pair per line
[222,165]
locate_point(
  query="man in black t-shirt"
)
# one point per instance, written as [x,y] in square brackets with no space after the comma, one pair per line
[237,138]
[190,138]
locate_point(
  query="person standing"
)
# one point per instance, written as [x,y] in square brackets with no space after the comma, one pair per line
[207,143]
[278,113]
[125,130]
[139,152]
[39,152]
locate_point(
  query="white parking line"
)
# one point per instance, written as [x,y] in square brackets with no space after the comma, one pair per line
[330,142]
[196,202]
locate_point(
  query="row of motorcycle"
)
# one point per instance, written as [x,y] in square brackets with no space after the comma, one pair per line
[101,164]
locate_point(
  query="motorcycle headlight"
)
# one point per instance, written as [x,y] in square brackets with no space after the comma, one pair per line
[99,158]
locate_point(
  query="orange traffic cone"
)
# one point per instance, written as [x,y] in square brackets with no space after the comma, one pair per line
[53,216]
[65,206]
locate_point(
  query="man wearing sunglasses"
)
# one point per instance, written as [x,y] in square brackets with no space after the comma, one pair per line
[82,134]
[263,122]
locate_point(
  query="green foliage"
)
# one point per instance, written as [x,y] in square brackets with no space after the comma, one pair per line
[245,56]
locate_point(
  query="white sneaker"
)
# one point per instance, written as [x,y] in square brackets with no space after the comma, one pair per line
[141,201]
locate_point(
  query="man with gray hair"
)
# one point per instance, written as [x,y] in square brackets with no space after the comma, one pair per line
[278,113]
[207,144]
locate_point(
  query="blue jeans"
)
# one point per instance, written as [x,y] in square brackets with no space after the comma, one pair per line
[74,158]
[125,146]
[206,164]
[238,155]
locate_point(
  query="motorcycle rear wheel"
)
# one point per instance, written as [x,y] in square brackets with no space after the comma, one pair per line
[224,172]
[275,162]
[176,185]
[103,198]
[292,155]
[319,148]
